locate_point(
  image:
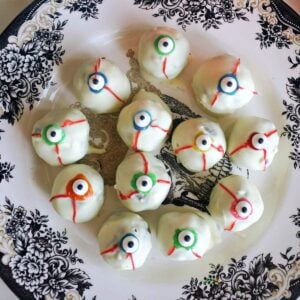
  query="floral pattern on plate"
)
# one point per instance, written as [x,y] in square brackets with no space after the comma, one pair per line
[292,111]
[38,260]
[276,29]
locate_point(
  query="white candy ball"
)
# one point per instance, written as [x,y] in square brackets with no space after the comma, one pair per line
[235,203]
[223,84]
[186,236]
[101,86]
[163,52]
[253,143]
[61,137]
[198,144]
[142,182]
[78,193]
[125,241]
[144,124]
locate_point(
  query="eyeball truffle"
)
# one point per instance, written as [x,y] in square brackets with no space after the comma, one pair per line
[77,193]
[125,241]
[198,144]
[163,52]
[61,137]
[144,124]
[235,203]
[101,86]
[223,84]
[185,236]
[253,143]
[142,182]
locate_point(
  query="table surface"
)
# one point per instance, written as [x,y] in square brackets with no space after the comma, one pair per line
[9,9]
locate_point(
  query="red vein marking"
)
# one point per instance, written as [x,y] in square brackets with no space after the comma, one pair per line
[204,161]
[215,98]
[171,251]
[136,140]
[162,129]
[268,134]
[114,94]
[245,145]
[230,227]
[249,144]
[145,162]
[228,191]
[253,92]
[183,148]
[58,156]
[127,196]
[36,135]
[265,158]
[70,122]
[111,249]
[164,66]
[58,196]
[219,148]
[236,66]
[163,181]
[73,201]
[97,67]
[131,259]
[196,254]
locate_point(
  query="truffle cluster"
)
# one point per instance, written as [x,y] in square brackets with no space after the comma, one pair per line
[221,85]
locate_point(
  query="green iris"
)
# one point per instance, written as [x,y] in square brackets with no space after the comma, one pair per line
[143,183]
[164,44]
[185,238]
[53,134]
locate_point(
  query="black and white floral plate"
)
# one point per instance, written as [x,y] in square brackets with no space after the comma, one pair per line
[44,257]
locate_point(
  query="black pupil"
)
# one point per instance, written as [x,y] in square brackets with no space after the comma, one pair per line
[165,44]
[130,244]
[260,140]
[95,81]
[53,133]
[204,142]
[142,117]
[244,209]
[229,83]
[144,183]
[80,186]
[187,238]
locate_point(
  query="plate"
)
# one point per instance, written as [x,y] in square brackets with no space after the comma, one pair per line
[43,256]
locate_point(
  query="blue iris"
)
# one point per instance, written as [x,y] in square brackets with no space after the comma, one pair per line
[97,82]
[142,120]
[228,84]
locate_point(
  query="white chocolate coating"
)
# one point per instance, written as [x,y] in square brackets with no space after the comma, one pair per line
[253,143]
[125,241]
[198,144]
[142,182]
[235,203]
[104,91]
[77,194]
[185,236]
[223,84]
[61,137]
[163,52]
[144,124]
